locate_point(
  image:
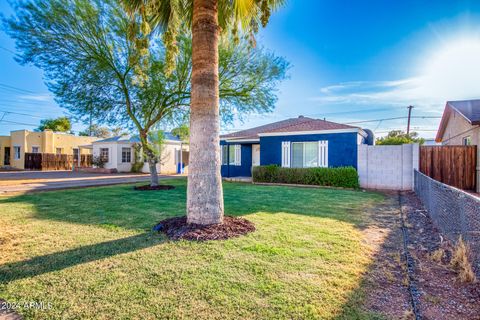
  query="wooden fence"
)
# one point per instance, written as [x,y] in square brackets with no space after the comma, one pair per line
[51,161]
[452,165]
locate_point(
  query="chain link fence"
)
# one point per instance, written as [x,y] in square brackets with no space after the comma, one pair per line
[455,212]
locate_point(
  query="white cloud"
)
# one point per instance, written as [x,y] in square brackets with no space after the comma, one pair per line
[452,73]
[37,97]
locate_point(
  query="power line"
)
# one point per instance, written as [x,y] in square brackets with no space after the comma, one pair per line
[20,123]
[349,112]
[6,86]
[8,50]
[20,113]
[422,130]
[395,118]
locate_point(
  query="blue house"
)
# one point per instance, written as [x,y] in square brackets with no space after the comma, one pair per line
[297,143]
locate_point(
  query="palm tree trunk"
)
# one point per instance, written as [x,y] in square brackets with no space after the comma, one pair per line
[204,192]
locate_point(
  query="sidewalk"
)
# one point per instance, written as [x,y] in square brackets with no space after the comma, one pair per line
[24,182]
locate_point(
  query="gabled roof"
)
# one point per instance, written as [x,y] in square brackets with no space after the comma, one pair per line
[135,138]
[469,109]
[300,124]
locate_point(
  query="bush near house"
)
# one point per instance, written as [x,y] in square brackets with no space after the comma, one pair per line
[345,177]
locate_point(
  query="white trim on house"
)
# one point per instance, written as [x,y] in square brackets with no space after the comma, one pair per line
[300,133]
[240,140]
[19,148]
[238,155]
[286,154]
[323,153]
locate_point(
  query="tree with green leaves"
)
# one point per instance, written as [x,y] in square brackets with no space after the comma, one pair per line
[61,124]
[95,130]
[206,19]
[397,137]
[183,132]
[93,64]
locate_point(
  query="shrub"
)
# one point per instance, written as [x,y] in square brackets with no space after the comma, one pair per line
[461,263]
[346,177]
[137,167]
[98,162]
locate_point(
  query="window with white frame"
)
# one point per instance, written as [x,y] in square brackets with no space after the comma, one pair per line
[467,141]
[126,155]
[59,150]
[104,154]
[35,149]
[232,154]
[16,152]
[308,154]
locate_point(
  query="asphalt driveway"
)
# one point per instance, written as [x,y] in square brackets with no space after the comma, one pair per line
[30,181]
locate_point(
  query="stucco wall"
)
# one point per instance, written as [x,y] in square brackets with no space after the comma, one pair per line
[67,142]
[342,148]
[5,141]
[387,167]
[458,128]
[112,153]
[18,139]
[168,163]
[46,141]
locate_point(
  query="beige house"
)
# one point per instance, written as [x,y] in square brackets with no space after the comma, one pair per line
[14,147]
[122,152]
[460,124]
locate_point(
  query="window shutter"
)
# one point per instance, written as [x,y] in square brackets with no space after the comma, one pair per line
[286,154]
[323,153]
[238,155]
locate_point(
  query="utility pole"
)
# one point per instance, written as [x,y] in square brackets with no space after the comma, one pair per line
[409,117]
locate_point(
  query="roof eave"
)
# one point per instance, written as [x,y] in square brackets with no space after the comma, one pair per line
[326,131]
[443,122]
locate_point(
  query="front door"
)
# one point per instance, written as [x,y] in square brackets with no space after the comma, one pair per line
[6,159]
[255,154]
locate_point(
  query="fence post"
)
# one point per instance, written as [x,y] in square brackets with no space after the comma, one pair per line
[477,182]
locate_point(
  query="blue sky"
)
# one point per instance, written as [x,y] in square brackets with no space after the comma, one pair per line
[351,61]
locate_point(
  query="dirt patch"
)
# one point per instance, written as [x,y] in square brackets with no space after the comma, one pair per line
[442,294]
[177,228]
[149,187]
[384,285]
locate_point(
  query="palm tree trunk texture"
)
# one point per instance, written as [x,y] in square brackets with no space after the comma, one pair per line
[204,193]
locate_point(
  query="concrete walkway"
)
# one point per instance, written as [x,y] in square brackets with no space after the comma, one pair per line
[31,181]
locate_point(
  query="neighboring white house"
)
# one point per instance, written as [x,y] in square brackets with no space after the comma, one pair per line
[119,153]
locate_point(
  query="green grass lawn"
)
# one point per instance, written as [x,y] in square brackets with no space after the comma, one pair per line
[91,254]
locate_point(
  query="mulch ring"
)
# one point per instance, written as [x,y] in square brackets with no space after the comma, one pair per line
[177,228]
[149,187]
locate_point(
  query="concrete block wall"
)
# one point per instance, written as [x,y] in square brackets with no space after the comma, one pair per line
[388,167]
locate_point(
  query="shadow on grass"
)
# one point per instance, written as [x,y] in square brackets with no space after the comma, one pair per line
[64,259]
[381,293]
[123,207]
